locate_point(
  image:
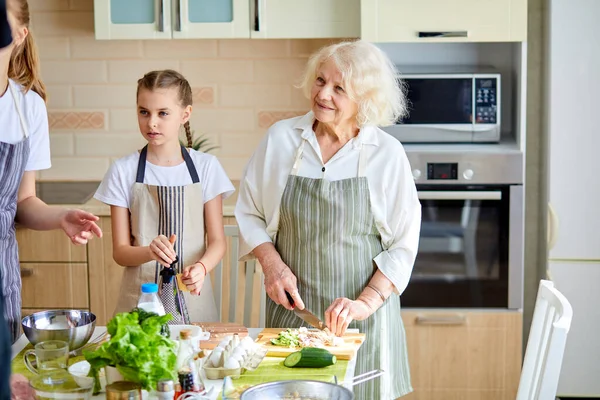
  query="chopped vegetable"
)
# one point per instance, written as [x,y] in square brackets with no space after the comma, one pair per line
[303,337]
[138,348]
[310,357]
[287,338]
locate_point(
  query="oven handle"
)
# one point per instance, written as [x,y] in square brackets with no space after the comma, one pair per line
[459,195]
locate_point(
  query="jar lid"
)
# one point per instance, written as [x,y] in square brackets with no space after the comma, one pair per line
[123,390]
[149,288]
[165,385]
[185,333]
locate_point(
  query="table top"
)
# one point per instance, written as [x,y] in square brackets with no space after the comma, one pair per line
[213,386]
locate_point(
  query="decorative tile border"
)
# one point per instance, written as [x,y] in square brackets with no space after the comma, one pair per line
[204,95]
[76,120]
[268,118]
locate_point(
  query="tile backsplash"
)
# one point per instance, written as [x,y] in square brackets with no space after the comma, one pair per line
[240,88]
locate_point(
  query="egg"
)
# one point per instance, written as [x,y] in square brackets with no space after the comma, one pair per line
[247,341]
[225,341]
[231,363]
[238,357]
[215,356]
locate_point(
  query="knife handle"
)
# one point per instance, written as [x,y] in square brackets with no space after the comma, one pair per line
[289,297]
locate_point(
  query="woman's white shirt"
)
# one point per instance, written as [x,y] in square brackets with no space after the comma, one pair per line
[36,117]
[116,186]
[394,201]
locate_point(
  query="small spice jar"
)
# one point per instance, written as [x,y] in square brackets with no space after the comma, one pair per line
[165,389]
[124,391]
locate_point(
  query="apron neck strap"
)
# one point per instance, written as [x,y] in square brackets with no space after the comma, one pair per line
[24,128]
[141,169]
[362,159]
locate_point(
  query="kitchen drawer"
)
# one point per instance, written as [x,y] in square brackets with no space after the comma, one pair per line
[457,354]
[54,285]
[48,246]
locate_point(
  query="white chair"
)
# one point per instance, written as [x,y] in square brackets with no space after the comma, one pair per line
[546,344]
[251,268]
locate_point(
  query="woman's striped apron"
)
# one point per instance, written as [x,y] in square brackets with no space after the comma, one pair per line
[327,236]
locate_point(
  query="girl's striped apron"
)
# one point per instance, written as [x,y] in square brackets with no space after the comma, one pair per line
[167,210]
[13,158]
[327,236]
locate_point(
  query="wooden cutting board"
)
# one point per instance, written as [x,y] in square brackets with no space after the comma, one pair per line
[218,330]
[347,351]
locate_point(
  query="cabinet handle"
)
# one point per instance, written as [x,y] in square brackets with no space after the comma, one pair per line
[458,319]
[178,21]
[161,15]
[449,34]
[25,272]
[257,15]
[552,227]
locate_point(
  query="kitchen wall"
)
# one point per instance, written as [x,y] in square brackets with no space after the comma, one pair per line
[240,88]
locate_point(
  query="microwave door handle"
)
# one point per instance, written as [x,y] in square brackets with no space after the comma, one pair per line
[459,195]
[446,34]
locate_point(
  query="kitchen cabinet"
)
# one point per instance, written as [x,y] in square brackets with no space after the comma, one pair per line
[444,20]
[463,354]
[225,19]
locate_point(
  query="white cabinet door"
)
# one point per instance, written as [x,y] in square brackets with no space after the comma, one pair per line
[573,90]
[444,20]
[578,281]
[132,19]
[305,19]
[217,19]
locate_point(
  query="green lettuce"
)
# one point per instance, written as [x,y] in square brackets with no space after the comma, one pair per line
[139,347]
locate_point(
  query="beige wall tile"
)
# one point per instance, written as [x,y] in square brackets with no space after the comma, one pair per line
[306,47]
[268,118]
[98,96]
[52,48]
[63,23]
[180,49]
[123,120]
[279,71]
[130,71]
[76,120]
[48,5]
[59,96]
[90,48]
[298,100]
[76,169]
[252,48]
[62,144]
[239,144]
[219,120]
[82,5]
[254,95]
[107,144]
[199,73]
[234,166]
[70,72]
[203,96]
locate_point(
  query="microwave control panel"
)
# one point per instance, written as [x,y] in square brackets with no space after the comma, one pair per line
[486,101]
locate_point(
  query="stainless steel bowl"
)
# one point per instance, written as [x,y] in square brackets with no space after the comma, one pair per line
[310,390]
[72,326]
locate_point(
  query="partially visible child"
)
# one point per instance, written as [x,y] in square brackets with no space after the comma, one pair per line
[166,202]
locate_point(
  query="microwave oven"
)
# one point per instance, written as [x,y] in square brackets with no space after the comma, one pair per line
[450,108]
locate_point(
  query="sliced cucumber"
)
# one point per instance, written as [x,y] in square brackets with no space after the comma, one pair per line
[310,357]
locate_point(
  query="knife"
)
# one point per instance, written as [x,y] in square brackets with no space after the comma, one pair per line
[306,315]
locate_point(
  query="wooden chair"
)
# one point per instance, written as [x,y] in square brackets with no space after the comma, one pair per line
[546,344]
[251,269]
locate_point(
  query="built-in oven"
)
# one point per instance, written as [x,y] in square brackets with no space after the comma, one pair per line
[471,242]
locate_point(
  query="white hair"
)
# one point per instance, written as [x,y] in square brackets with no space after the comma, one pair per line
[368,76]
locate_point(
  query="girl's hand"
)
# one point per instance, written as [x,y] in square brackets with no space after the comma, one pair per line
[343,311]
[193,277]
[161,250]
[80,226]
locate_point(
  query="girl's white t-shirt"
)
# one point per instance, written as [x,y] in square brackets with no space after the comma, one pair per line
[36,117]
[116,186]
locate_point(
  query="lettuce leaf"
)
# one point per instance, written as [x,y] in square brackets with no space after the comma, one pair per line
[138,349]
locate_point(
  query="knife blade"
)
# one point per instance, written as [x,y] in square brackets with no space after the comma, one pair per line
[306,315]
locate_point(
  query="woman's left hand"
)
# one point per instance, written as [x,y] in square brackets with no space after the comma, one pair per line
[80,226]
[193,278]
[343,311]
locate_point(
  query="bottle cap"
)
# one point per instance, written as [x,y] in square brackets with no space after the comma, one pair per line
[185,334]
[123,391]
[165,385]
[149,288]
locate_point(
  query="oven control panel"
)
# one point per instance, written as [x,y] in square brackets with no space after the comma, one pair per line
[442,171]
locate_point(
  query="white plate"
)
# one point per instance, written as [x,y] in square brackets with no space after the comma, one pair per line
[80,371]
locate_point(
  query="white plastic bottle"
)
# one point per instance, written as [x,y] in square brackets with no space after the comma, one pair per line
[149,300]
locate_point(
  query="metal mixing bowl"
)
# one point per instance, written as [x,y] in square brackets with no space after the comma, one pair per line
[310,390]
[72,326]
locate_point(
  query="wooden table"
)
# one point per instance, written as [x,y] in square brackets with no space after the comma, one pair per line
[214,385]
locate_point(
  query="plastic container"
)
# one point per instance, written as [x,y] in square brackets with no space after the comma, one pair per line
[149,300]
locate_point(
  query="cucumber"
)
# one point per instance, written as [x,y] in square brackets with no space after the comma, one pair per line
[310,357]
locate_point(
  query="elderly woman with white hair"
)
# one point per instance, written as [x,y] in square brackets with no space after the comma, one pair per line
[328,206]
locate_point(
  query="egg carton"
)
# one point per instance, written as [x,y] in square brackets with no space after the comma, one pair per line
[232,357]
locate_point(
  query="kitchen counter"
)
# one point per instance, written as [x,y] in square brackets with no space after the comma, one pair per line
[214,386]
